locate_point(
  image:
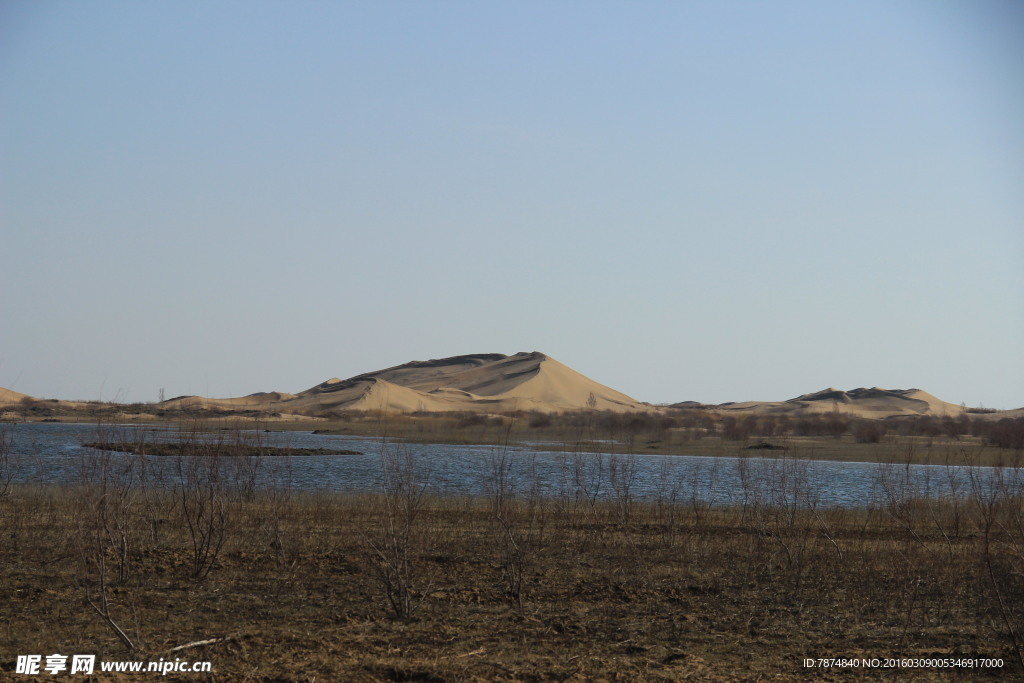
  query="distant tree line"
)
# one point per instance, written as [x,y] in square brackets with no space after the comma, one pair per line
[699,423]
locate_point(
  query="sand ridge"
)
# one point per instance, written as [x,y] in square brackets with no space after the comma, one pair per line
[483,382]
[476,383]
[8,397]
[527,381]
[868,403]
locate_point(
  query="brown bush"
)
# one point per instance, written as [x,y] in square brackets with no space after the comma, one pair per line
[867,431]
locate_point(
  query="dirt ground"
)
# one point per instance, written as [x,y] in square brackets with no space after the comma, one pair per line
[400,587]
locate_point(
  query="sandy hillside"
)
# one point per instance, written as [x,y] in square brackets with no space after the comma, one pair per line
[8,397]
[264,401]
[478,383]
[486,382]
[874,402]
[497,383]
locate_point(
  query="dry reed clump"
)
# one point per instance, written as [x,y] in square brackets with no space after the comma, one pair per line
[589,581]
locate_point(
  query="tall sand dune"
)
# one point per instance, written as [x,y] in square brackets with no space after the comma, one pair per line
[483,382]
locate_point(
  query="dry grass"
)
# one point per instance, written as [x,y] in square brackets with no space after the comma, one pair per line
[615,590]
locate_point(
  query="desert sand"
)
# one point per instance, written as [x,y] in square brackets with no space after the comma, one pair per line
[479,383]
[528,381]
[8,397]
[864,403]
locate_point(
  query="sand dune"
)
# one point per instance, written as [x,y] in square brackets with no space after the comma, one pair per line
[8,397]
[487,382]
[874,402]
[496,383]
[365,393]
[478,383]
[262,400]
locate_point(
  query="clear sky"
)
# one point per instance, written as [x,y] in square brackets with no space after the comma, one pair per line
[705,201]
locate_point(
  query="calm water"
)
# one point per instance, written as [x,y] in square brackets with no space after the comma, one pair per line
[53,454]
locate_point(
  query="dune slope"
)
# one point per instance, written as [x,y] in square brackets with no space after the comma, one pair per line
[484,382]
[874,402]
[478,383]
[8,397]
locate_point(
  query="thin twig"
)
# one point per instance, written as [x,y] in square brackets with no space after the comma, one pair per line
[200,643]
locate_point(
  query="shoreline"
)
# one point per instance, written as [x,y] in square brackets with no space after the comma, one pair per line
[964,450]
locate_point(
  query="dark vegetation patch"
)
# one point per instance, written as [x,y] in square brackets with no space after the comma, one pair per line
[765,446]
[194,448]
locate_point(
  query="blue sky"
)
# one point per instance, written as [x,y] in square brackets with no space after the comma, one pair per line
[704,201]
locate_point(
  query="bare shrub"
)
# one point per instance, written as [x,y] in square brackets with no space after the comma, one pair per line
[867,431]
[836,425]
[244,467]
[588,476]
[279,496]
[622,474]
[1006,433]
[806,427]
[768,426]
[954,428]
[538,420]
[832,424]
[106,518]
[920,425]
[97,586]
[518,521]
[201,489]
[998,502]
[735,429]
[400,540]
[112,484]
[667,503]
[6,466]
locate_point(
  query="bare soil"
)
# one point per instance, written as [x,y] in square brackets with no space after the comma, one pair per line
[498,588]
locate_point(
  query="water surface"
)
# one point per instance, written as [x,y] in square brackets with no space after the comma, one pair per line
[52,453]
